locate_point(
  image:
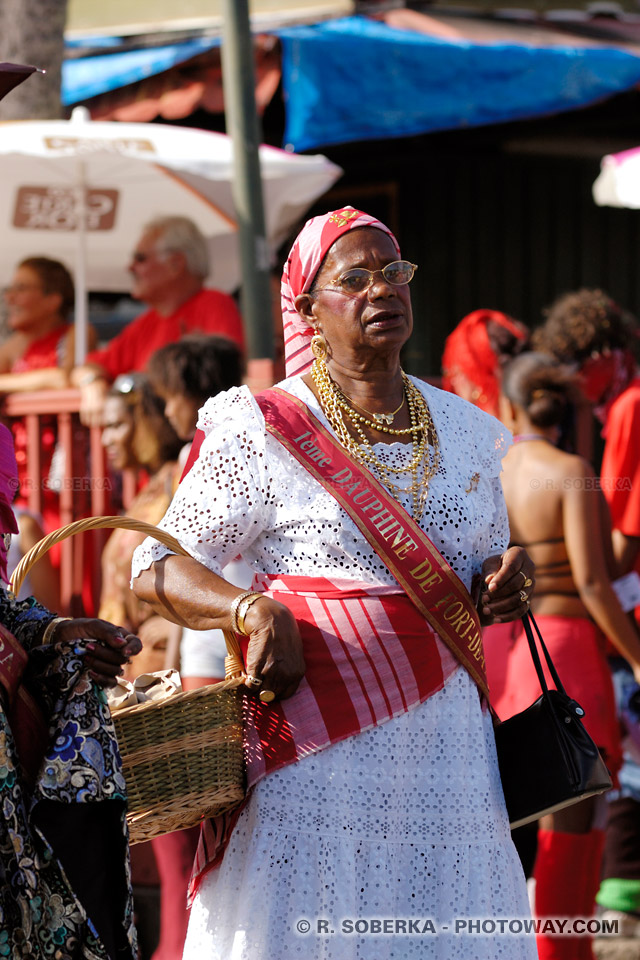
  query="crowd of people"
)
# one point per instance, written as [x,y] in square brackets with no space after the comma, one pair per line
[373,784]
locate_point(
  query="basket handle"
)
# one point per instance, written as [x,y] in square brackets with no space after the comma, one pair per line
[234,666]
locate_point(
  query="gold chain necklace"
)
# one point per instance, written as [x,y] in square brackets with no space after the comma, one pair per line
[379,418]
[425,460]
[346,404]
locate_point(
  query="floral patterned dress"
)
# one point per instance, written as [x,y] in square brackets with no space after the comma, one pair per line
[40,915]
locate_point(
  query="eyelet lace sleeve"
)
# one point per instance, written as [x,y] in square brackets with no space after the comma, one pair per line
[219,508]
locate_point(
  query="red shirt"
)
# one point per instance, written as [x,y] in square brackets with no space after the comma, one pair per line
[207,312]
[43,353]
[620,471]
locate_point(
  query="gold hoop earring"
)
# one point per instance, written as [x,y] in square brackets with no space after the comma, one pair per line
[318,345]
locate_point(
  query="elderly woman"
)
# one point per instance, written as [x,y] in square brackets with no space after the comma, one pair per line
[367,504]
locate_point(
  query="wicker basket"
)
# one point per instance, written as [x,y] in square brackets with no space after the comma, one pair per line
[182,757]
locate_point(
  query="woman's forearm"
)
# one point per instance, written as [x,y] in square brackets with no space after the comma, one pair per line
[25,619]
[49,378]
[626,551]
[602,603]
[185,592]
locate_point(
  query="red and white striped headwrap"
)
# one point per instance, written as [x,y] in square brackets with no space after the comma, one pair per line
[307,253]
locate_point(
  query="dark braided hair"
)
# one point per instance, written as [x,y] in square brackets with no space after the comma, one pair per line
[541,386]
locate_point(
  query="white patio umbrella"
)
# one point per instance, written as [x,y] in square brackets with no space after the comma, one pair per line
[618,183]
[80,191]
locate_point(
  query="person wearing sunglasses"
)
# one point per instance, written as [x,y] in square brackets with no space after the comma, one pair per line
[168,268]
[368,506]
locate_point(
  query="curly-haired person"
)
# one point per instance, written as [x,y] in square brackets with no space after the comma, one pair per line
[588,329]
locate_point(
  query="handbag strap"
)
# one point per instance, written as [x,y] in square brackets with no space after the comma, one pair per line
[527,622]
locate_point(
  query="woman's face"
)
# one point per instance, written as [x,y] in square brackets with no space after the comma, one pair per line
[182,413]
[376,321]
[117,434]
[28,306]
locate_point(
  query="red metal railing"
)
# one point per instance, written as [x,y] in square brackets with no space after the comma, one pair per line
[84,485]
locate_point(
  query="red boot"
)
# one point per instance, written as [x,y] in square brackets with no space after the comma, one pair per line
[567,874]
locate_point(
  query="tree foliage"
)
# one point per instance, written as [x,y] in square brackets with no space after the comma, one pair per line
[32,31]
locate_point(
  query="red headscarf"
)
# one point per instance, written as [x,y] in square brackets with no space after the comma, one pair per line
[307,253]
[470,366]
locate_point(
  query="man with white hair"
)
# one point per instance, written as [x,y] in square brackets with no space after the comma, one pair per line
[169,266]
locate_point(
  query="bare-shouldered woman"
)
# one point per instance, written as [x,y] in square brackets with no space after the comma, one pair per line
[556,511]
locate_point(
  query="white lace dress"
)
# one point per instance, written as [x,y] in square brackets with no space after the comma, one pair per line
[404,823]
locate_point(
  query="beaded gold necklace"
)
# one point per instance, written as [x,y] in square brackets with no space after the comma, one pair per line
[426,458]
[381,418]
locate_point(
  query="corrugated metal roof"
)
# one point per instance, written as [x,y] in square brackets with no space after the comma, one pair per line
[127,17]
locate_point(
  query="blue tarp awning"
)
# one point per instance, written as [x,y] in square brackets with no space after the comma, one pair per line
[88,77]
[359,79]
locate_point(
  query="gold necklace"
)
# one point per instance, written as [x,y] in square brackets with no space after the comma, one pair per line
[378,418]
[424,463]
[346,404]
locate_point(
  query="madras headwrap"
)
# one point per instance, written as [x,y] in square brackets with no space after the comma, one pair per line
[306,255]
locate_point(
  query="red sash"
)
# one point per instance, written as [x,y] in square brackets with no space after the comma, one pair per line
[369,655]
[420,569]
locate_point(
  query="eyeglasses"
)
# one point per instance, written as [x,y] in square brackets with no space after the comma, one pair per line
[139,257]
[21,288]
[359,279]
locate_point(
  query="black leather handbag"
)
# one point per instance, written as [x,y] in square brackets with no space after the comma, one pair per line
[547,759]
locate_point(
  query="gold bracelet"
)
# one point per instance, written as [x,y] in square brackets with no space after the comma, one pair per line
[243,609]
[50,629]
[234,609]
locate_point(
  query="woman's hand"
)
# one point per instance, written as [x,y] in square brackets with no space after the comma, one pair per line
[507,585]
[274,655]
[108,649]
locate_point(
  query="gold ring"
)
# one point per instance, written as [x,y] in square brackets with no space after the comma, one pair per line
[267,696]
[524,596]
[254,680]
[527,580]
